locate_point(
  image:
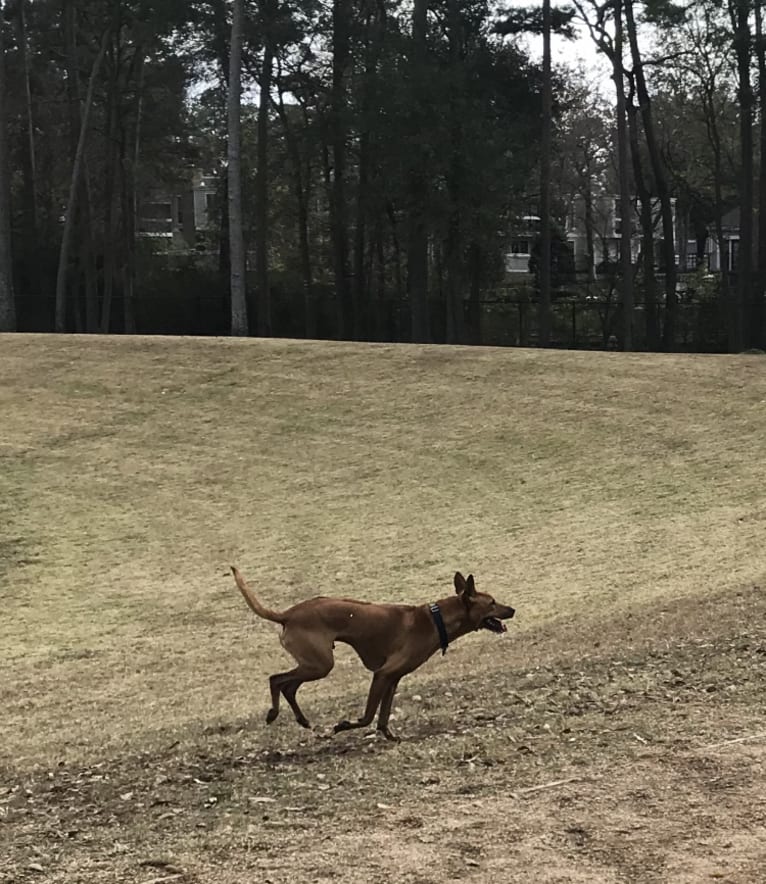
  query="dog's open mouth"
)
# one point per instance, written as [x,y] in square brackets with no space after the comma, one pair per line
[493,624]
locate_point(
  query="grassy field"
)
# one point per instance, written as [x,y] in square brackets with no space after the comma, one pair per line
[616,733]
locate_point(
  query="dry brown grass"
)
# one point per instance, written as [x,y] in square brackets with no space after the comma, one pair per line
[617,501]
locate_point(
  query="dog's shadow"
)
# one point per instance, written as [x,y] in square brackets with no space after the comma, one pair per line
[289,746]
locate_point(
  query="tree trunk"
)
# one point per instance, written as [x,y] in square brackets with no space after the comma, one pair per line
[361,294]
[660,179]
[29,163]
[112,175]
[84,218]
[652,330]
[301,184]
[341,57]
[130,198]
[263,310]
[7,300]
[377,330]
[626,206]
[398,282]
[236,228]
[417,245]
[589,226]
[374,32]
[475,259]
[74,188]
[455,181]
[714,138]
[758,311]
[544,307]
[739,10]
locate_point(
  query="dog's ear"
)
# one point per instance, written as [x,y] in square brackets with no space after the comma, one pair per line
[470,586]
[459,583]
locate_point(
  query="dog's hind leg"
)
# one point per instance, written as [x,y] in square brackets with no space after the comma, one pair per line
[315,660]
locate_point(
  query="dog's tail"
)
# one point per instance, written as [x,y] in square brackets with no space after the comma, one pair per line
[253,602]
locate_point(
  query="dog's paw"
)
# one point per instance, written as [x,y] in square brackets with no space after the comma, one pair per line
[389,735]
[342,726]
[271,715]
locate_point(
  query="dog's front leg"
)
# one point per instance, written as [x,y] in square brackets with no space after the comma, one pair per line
[381,682]
[385,712]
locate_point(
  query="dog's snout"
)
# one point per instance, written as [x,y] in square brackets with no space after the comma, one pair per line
[511,612]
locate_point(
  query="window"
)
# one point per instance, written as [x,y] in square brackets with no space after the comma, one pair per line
[520,247]
[157,211]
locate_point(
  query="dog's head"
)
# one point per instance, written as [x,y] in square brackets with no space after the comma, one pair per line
[482,610]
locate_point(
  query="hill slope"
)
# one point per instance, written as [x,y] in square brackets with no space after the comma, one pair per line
[615,500]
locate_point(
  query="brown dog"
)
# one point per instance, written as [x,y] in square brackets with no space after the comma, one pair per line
[391,640]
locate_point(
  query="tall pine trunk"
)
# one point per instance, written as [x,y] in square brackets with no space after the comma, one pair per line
[84,219]
[74,188]
[263,311]
[236,228]
[7,300]
[544,307]
[417,235]
[341,58]
[301,184]
[758,311]
[456,181]
[652,330]
[374,33]
[29,154]
[112,177]
[132,149]
[740,10]
[626,207]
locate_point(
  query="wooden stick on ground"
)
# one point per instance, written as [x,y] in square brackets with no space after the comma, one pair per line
[518,793]
[759,736]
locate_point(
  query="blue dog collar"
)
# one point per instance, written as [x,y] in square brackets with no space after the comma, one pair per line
[440,627]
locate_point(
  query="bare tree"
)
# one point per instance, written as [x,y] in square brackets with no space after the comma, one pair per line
[613,50]
[660,181]
[647,226]
[236,235]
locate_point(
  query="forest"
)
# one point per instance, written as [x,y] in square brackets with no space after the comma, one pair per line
[381,170]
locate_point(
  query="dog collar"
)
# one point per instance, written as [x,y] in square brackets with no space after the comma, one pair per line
[440,627]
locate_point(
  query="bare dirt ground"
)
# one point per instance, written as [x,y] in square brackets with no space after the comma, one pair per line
[616,734]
